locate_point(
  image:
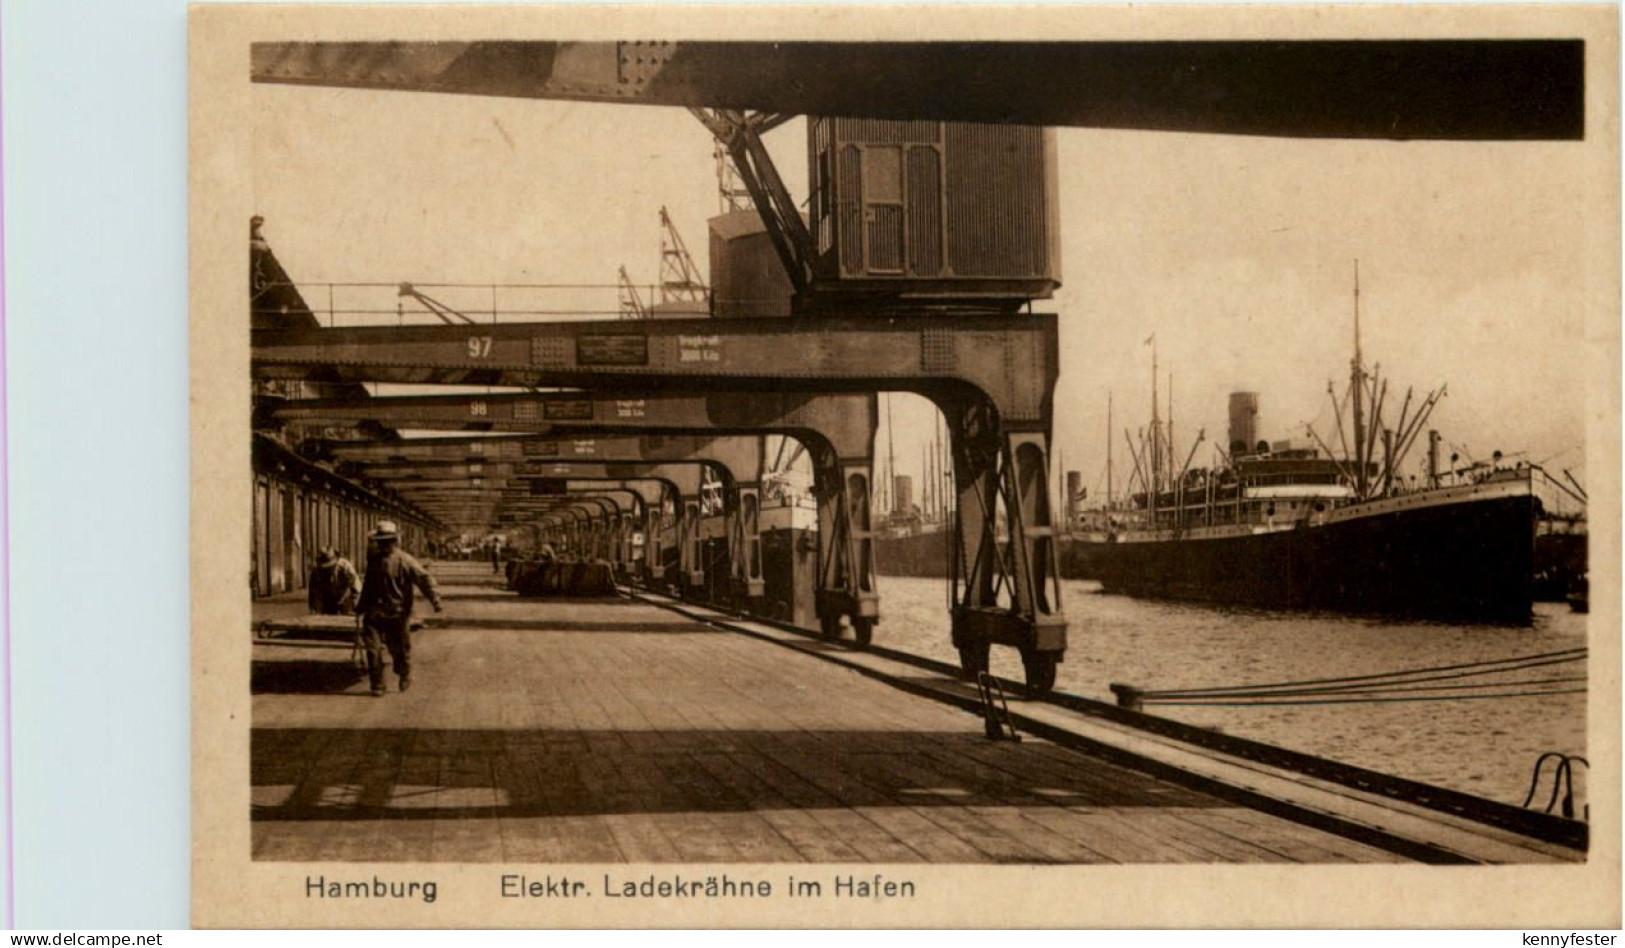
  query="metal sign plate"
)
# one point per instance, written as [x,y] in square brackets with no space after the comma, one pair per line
[567,411]
[618,349]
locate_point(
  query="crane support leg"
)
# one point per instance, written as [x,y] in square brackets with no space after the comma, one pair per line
[691,572]
[1006,581]
[846,561]
[745,549]
[630,566]
[654,557]
[747,589]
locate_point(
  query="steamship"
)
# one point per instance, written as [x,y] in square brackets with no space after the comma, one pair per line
[908,545]
[1293,525]
[912,534]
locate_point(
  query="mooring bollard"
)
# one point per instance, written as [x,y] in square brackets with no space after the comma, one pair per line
[1129,697]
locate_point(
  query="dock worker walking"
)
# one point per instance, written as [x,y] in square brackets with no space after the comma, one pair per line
[386,606]
[333,584]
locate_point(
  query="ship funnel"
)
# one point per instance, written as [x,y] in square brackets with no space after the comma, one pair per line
[1243,422]
[902,493]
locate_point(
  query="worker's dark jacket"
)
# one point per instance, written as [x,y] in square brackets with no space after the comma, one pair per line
[332,587]
[387,590]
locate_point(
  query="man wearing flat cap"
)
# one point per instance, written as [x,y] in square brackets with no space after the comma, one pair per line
[386,606]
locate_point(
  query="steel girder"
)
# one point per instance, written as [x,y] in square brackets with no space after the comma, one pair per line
[1009,360]
[598,534]
[479,502]
[682,478]
[611,535]
[692,520]
[1386,89]
[837,430]
[626,510]
[740,455]
[616,527]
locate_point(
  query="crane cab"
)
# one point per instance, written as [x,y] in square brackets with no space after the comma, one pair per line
[944,214]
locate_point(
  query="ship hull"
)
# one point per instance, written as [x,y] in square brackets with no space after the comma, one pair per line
[1081,557]
[1560,562]
[1468,558]
[926,554]
[916,554]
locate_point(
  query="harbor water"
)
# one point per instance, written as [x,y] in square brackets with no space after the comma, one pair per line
[1486,746]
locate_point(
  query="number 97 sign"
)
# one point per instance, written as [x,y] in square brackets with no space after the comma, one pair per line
[479,347]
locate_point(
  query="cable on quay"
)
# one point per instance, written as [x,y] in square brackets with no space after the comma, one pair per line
[1373,699]
[1385,683]
[1407,686]
[1373,687]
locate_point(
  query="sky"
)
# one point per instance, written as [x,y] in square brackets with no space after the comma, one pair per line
[1237,254]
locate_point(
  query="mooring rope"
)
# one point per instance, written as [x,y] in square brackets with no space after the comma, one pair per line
[1405,687]
[1368,700]
[1375,685]
[1385,687]
[1395,677]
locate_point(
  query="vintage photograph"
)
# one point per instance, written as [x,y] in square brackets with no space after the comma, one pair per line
[749,471]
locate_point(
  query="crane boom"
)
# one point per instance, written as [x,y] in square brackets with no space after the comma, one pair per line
[630,303]
[680,279]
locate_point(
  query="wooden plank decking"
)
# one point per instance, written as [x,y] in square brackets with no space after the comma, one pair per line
[592,732]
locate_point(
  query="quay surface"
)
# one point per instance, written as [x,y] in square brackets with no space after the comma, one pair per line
[620,731]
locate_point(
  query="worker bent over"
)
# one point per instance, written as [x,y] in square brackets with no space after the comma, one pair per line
[386,606]
[333,584]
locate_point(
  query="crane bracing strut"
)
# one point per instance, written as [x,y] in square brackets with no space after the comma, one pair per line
[740,134]
[680,279]
[630,303]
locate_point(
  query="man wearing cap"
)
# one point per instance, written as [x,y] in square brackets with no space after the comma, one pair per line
[333,584]
[386,606]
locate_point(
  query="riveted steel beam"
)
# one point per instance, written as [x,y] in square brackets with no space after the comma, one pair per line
[650,491]
[645,497]
[685,524]
[432,453]
[540,474]
[478,507]
[737,456]
[1009,360]
[627,499]
[844,422]
[1465,89]
[741,456]
[552,477]
[837,430]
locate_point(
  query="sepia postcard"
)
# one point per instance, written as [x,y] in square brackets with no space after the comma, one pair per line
[956,466]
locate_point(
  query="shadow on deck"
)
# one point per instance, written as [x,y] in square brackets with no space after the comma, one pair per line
[364,774]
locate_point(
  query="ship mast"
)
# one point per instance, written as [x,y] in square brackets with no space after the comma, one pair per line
[891,461]
[1356,389]
[1170,449]
[1062,491]
[1156,427]
[1108,450]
